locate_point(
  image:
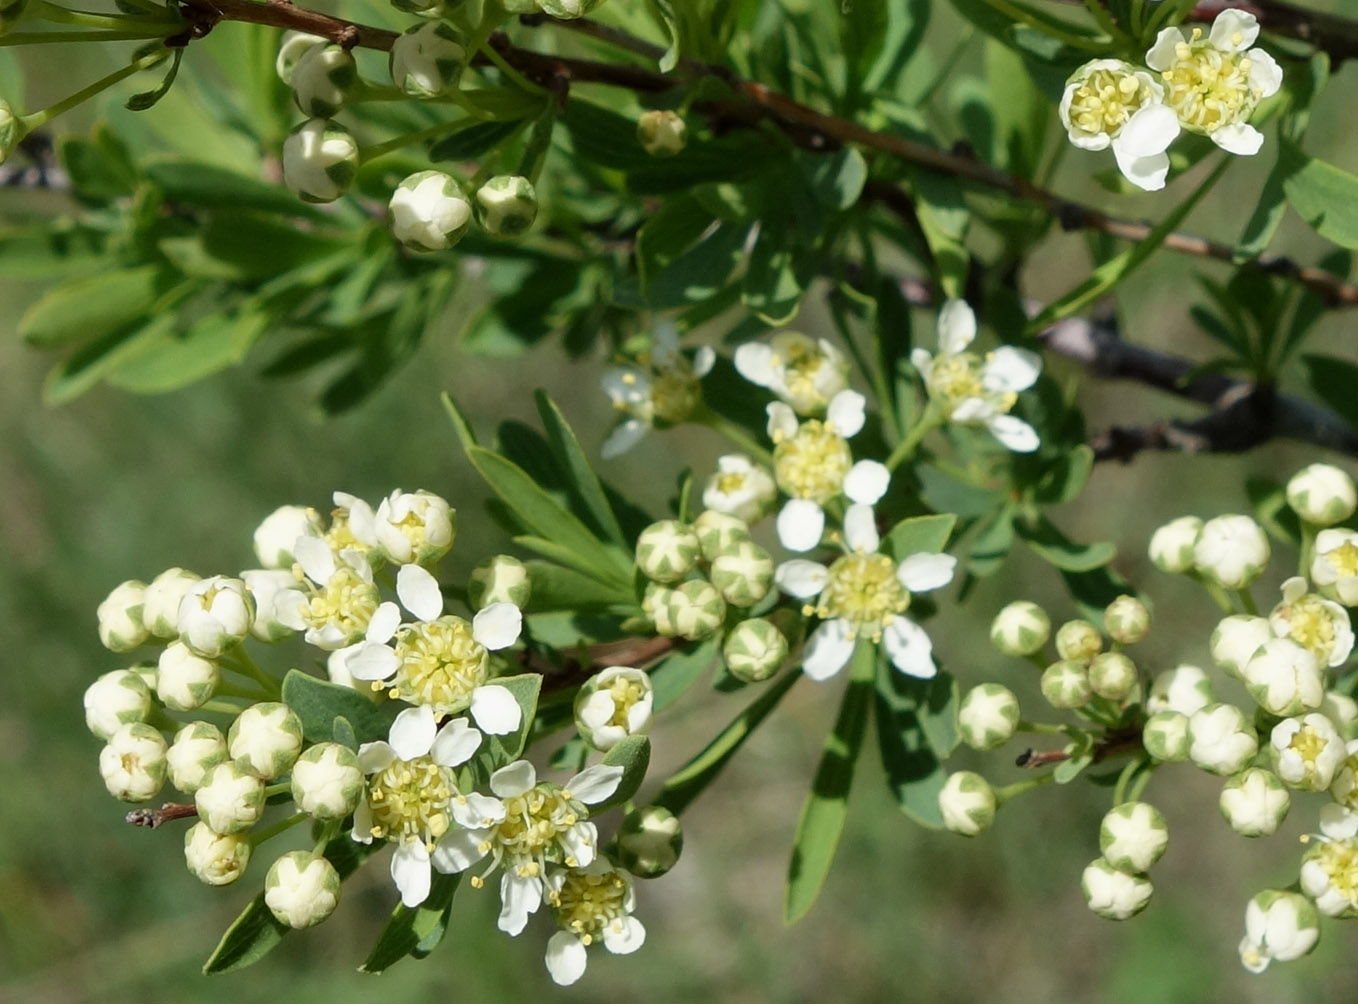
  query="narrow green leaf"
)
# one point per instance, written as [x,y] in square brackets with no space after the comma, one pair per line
[148,99]
[1323,195]
[91,306]
[209,186]
[606,573]
[319,702]
[409,927]
[837,178]
[461,426]
[1067,477]
[633,755]
[928,534]
[1056,548]
[914,771]
[474,141]
[673,675]
[559,588]
[574,463]
[210,345]
[770,287]
[95,360]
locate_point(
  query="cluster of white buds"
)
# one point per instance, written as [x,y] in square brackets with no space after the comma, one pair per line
[1131,837]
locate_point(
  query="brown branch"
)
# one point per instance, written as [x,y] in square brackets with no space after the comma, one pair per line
[1116,743]
[636,652]
[155,817]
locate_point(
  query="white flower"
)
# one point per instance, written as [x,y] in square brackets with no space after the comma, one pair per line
[320,159]
[1132,836]
[1213,84]
[1322,495]
[116,699]
[273,590]
[265,739]
[322,79]
[338,602]
[133,763]
[1329,869]
[216,858]
[1319,625]
[864,595]
[1235,641]
[1171,546]
[1184,689]
[120,624]
[214,615]
[275,536]
[975,391]
[527,825]
[1334,569]
[660,387]
[1114,894]
[802,371]
[591,904]
[230,799]
[412,796]
[741,488]
[1278,925]
[1108,102]
[160,609]
[184,680]
[1254,802]
[1221,739]
[988,716]
[414,527]
[197,748]
[301,889]
[1308,750]
[1344,787]
[427,60]
[1021,628]
[327,781]
[429,211]
[612,705]
[1231,550]
[1285,678]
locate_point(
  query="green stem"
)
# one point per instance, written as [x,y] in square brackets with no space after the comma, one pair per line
[369,153]
[1308,548]
[259,836]
[327,833]
[1219,595]
[1142,779]
[535,153]
[1138,16]
[239,661]
[1106,22]
[704,415]
[1011,791]
[221,707]
[48,37]
[277,788]
[1246,602]
[40,118]
[226,689]
[1128,772]
[1041,728]
[511,74]
[928,422]
[45,11]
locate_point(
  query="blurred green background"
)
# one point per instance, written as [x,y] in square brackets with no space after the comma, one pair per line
[116,486]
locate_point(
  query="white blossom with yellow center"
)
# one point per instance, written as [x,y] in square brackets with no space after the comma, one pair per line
[1108,102]
[337,599]
[1213,83]
[864,595]
[414,526]
[535,823]
[1308,750]
[1319,625]
[805,372]
[1334,569]
[412,797]
[591,904]
[1279,926]
[741,488]
[660,387]
[1329,870]
[972,390]
[613,704]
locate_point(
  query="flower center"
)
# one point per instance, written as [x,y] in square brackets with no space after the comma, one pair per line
[1208,88]
[625,693]
[956,378]
[347,603]
[1343,559]
[863,590]
[812,463]
[409,800]
[1339,859]
[1309,744]
[532,824]
[675,392]
[1311,625]
[1106,100]
[440,665]
[586,903]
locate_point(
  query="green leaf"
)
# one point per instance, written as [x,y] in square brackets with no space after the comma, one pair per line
[178,360]
[673,675]
[1067,477]
[914,770]
[696,275]
[1333,380]
[836,179]
[525,687]
[147,99]
[461,426]
[319,702]
[92,306]
[100,167]
[474,141]
[667,233]
[193,183]
[411,928]
[574,463]
[559,588]
[1081,756]
[943,218]
[95,360]
[771,288]
[1268,213]
[827,806]
[1094,590]
[602,136]
[1323,195]
[1057,549]
[927,534]
[261,246]
[342,732]
[633,755]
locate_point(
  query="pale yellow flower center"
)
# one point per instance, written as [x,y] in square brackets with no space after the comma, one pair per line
[533,822]
[1208,88]
[863,590]
[1311,626]
[802,363]
[731,483]
[675,393]
[1106,99]
[812,463]
[1343,559]
[409,800]
[1339,859]
[625,693]
[440,665]
[957,378]
[587,903]
[1308,743]
[347,602]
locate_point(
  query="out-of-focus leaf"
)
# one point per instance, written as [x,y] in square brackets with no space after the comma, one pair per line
[1333,380]
[410,928]
[1056,548]
[89,307]
[212,344]
[1323,195]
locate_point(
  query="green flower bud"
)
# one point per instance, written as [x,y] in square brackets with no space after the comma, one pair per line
[429,212]
[184,680]
[1065,685]
[133,763]
[1114,894]
[988,716]
[1322,495]
[197,748]
[662,133]
[229,800]
[967,802]
[754,649]
[1132,836]
[302,889]
[320,159]
[501,579]
[265,739]
[322,79]
[718,532]
[1020,629]
[11,129]
[1078,640]
[327,781]
[506,205]
[1127,619]
[1254,802]
[120,625]
[568,9]
[667,551]
[650,841]
[697,609]
[116,699]
[1112,675]
[1165,736]
[215,858]
[655,604]
[743,575]
[428,60]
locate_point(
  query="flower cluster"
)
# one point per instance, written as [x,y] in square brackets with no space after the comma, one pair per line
[657,388]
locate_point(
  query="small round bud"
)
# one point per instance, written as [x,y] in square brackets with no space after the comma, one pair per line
[743,574]
[1114,894]
[612,705]
[197,748]
[274,591]
[754,649]
[320,159]
[506,205]
[1128,620]
[501,579]
[656,605]
[184,680]
[1020,629]
[1254,802]
[1235,641]
[988,716]
[1165,736]
[567,9]
[1307,751]
[1322,495]
[1342,710]
[276,536]
[301,889]
[967,803]
[229,800]
[428,60]
[294,46]
[215,615]
[1280,926]
[322,79]
[120,625]
[662,133]
[1112,675]
[133,762]
[160,607]
[650,841]
[116,699]
[1065,685]
[1334,569]
[740,488]
[1184,689]
[1171,547]
[265,739]
[215,858]
[667,551]
[1221,739]
[719,531]
[429,212]
[1132,836]
[415,527]
[1284,678]
[1078,640]
[1231,551]
[327,781]
[697,609]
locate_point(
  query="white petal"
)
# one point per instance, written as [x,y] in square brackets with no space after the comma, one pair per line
[580,842]
[595,784]
[782,421]
[860,529]
[828,649]
[477,811]
[566,958]
[385,620]
[1160,56]
[363,820]
[624,936]
[867,482]
[519,897]
[624,436]
[971,410]
[412,733]
[373,757]
[956,327]
[1234,30]
[923,363]
[513,779]
[801,578]
[362,522]
[703,360]
[1010,369]
[410,871]
[1266,76]
[1149,131]
[370,661]
[922,572]
[754,361]
[316,559]
[495,710]
[455,743]
[419,592]
[1238,138]
[910,649]
[497,626]
[846,412]
[664,342]
[800,524]
[1146,173]
[1014,433]
[459,850]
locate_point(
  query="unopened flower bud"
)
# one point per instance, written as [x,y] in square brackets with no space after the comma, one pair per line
[1020,629]
[567,9]
[1128,620]
[116,699]
[428,60]
[265,739]
[612,705]
[215,615]
[1221,739]
[320,159]
[988,716]
[423,8]
[1284,678]
[1165,736]
[1114,894]
[215,858]
[1334,569]
[322,79]
[1342,710]
[1254,802]
[667,550]
[120,624]
[1231,551]
[133,762]
[276,536]
[429,212]
[184,680]
[1112,675]
[719,531]
[1078,640]
[327,781]
[967,803]
[1235,641]
[740,488]
[656,605]
[1322,495]
[160,608]
[754,649]
[743,574]
[1065,685]
[662,133]
[696,609]
[294,46]
[1184,689]
[1132,836]
[501,579]
[1307,751]
[506,205]
[197,748]
[650,841]
[229,800]
[301,889]
[1171,547]
[415,527]
[1279,925]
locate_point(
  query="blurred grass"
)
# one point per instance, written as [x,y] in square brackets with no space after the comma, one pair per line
[115,487]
